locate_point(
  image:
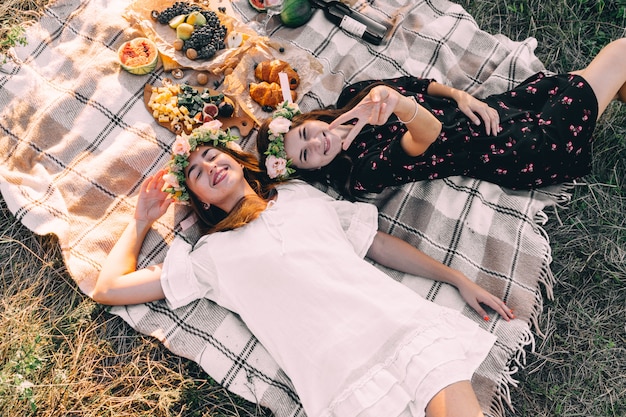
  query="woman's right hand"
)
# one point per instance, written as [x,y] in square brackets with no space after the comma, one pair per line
[374,109]
[152,202]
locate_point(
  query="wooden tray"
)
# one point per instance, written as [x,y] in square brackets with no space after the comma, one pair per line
[241,120]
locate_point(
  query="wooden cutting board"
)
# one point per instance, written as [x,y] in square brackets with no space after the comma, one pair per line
[239,120]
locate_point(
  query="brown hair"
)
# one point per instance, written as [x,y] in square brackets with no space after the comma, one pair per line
[214,219]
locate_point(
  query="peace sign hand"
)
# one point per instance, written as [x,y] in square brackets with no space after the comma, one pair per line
[374,109]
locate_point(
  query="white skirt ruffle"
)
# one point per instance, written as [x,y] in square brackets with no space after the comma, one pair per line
[422,364]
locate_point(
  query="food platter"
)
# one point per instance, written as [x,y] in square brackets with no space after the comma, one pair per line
[231,69]
[239,120]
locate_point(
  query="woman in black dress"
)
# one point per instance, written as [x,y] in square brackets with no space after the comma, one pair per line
[390,132]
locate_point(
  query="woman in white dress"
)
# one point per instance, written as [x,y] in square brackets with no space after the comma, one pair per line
[289,260]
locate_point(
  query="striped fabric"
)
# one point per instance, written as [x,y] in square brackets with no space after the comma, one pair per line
[76,143]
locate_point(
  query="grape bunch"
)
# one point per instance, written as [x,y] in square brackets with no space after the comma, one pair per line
[206,39]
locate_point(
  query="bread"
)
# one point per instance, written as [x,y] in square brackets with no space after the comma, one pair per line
[268,71]
[268,94]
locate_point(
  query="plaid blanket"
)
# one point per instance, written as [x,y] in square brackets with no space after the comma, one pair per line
[76,143]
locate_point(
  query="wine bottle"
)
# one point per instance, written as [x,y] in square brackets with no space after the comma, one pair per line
[352,21]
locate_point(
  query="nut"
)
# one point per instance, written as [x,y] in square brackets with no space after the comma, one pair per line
[178,44]
[178,73]
[191,53]
[202,78]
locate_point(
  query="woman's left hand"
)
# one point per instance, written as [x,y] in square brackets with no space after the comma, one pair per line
[475,295]
[477,110]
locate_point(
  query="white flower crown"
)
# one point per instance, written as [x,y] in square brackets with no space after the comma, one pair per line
[209,133]
[277,163]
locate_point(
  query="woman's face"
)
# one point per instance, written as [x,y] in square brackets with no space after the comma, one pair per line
[311,145]
[215,177]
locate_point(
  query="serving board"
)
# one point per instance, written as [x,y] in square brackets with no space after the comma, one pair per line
[240,119]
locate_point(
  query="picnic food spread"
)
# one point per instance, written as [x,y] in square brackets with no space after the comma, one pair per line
[201,47]
[182,107]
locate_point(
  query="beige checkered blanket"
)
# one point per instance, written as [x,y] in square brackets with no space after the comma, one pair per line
[76,143]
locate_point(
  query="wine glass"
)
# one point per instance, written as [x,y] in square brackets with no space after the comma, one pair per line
[272,8]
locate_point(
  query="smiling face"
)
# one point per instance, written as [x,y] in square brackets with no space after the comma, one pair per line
[216,178]
[311,145]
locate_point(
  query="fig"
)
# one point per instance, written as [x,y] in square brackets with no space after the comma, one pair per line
[210,109]
[138,56]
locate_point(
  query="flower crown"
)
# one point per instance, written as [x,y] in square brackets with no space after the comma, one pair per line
[277,163]
[209,133]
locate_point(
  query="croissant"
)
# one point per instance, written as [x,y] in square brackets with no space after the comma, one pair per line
[268,71]
[268,94]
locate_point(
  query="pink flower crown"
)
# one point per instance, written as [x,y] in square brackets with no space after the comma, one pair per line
[277,163]
[210,134]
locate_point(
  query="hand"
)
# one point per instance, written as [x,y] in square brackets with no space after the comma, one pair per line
[374,109]
[152,202]
[477,110]
[475,295]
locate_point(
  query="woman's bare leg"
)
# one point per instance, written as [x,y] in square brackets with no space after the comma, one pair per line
[606,74]
[456,400]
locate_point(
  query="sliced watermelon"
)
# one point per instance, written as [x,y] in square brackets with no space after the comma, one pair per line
[258,4]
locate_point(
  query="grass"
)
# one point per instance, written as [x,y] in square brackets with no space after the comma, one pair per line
[63,355]
[578,368]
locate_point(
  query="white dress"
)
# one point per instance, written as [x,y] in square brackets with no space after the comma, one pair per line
[352,340]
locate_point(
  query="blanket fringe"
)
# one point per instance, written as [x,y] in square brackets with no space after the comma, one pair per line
[502,397]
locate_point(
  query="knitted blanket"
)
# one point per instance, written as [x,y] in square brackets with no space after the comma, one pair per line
[76,142]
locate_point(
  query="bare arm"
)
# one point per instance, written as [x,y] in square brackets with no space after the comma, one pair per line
[423,127]
[119,281]
[395,253]
[469,105]
[376,108]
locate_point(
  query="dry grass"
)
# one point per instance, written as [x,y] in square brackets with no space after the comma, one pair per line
[63,355]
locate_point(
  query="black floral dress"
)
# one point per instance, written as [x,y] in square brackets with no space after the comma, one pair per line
[546,132]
